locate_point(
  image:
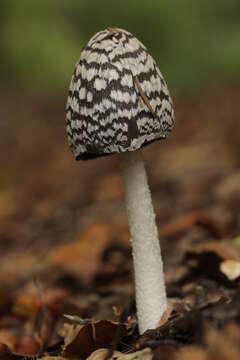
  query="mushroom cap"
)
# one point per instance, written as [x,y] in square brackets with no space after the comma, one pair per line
[118,99]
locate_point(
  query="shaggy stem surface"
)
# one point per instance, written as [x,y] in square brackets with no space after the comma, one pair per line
[151,299]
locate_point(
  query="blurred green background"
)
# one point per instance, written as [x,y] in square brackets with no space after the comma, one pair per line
[194,42]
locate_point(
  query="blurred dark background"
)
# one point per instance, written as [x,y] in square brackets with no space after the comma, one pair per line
[46,198]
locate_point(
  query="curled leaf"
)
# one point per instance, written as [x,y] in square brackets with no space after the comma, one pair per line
[231,269]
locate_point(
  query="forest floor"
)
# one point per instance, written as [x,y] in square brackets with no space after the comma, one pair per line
[64,240]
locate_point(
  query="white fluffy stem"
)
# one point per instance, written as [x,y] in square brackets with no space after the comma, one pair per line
[151,299]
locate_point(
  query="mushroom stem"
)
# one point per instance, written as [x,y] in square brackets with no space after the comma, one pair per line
[151,299]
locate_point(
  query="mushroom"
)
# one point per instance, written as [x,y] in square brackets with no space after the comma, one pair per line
[118,102]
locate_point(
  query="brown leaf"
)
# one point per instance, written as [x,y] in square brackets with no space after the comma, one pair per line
[5,302]
[224,250]
[6,354]
[29,304]
[192,353]
[186,222]
[7,338]
[231,269]
[82,257]
[101,354]
[221,345]
[69,332]
[55,300]
[165,352]
[92,337]
[209,256]
[27,345]
[228,190]
[166,315]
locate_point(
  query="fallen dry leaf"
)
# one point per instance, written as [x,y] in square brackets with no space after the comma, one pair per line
[166,314]
[82,256]
[221,346]
[192,353]
[91,337]
[209,256]
[69,332]
[186,222]
[6,354]
[29,304]
[225,250]
[7,338]
[27,345]
[228,190]
[231,269]
[101,354]
[52,358]
[5,302]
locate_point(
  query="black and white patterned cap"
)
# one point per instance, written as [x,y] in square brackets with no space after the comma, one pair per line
[118,99]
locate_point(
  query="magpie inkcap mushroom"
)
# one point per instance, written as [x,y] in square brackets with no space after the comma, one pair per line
[118,102]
